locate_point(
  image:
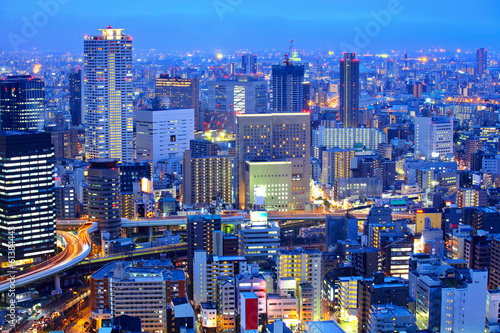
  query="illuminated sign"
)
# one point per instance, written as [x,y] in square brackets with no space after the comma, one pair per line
[258,216]
[146,185]
[18,262]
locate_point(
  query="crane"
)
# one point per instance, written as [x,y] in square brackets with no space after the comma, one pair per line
[207,126]
[287,55]
[221,128]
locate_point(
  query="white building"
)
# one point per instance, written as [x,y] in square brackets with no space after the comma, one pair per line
[285,308]
[107,96]
[206,269]
[259,237]
[347,138]
[254,284]
[433,137]
[163,134]
[463,308]
[208,316]
[492,164]
[304,265]
[388,318]
[493,311]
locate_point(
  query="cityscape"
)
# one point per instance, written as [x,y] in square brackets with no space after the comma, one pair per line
[230,166]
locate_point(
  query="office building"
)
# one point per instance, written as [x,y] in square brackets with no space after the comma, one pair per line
[126,289]
[433,137]
[306,302]
[104,198]
[481,61]
[471,197]
[391,318]
[336,163]
[162,134]
[362,187]
[65,203]
[269,184]
[22,103]
[200,235]
[448,300]
[207,179]
[303,265]
[244,94]
[275,137]
[349,90]
[208,268]
[75,96]
[348,138]
[339,228]
[494,271]
[203,148]
[65,142]
[179,93]
[283,307]
[377,291]
[255,284]
[287,88]
[259,238]
[108,96]
[28,221]
[493,311]
[249,64]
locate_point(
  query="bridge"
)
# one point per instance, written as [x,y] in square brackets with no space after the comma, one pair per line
[77,249]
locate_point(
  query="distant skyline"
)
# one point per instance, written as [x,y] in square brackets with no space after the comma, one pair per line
[167,25]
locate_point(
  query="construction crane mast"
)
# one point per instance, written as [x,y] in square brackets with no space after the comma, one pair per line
[287,55]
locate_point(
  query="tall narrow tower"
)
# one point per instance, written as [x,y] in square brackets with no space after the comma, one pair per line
[107,93]
[481,60]
[349,90]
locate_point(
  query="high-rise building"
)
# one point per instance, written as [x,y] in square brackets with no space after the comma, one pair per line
[347,138]
[336,163]
[162,134]
[275,137]
[207,179]
[65,202]
[303,265]
[377,291]
[287,88]
[349,90]
[200,235]
[433,136]
[126,289]
[206,270]
[259,238]
[108,95]
[481,60]
[448,300]
[178,93]
[245,94]
[65,142]
[28,221]
[249,64]
[75,96]
[104,198]
[22,103]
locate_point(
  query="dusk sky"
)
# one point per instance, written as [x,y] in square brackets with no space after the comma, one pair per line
[255,24]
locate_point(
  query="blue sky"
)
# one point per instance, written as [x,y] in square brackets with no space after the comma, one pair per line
[254,24]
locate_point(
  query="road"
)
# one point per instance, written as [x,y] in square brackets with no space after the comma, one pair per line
[77,249]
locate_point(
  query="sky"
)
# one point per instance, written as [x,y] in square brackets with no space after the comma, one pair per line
[186,25]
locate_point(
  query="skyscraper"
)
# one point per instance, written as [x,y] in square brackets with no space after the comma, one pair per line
[107,94]
[433,136]
[75,96]
[27,162]
[22,100]
[249,63]
[275,137]
[287,88]
[481,60]
[349,90]
[104,197]
[178,93]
